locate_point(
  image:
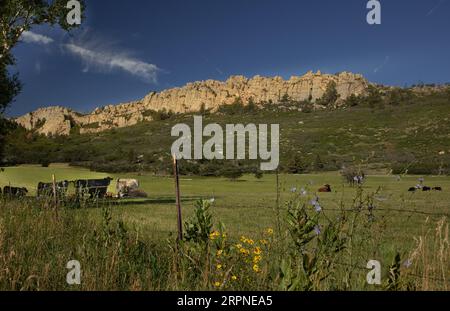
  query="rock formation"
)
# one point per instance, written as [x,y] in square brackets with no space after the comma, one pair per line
[210,94]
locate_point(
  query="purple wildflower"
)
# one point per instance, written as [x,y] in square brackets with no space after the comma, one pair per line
[318,208]
[407,263]
[317,230]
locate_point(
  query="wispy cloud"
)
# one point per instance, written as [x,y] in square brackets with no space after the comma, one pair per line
[32,37]
[386,60]
[37,67]
[219,71]
[108,60]
[98,55]
[435,7]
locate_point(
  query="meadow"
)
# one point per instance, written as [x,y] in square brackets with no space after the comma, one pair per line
[380,220]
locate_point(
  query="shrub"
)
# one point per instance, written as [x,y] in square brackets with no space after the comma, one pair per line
[45,163]
[259,174]
[199,226]
[232,172]
[330,96]
[349,174]
[295,165]
[352,101]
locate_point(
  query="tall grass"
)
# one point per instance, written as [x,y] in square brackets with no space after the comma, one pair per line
[315,249]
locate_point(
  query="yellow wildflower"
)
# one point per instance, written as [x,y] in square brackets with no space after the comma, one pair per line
[244,251]
[234,278]
[264,242]
[239,246]
[219,252]
[214,235]
[256,259]
[243,239]
[250,241]
[217,284]
[269,231]
[256,268]
[219,266]
[257,251]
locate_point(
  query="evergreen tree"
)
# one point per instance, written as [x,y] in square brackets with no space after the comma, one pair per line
[330,96]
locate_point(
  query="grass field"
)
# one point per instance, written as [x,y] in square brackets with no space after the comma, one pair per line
[248,206]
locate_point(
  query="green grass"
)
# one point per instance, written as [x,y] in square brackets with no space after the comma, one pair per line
[246,207]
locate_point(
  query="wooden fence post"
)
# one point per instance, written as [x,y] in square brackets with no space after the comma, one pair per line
[178,202]
[55,197]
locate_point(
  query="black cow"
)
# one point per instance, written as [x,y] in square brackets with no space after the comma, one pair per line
[46,189]
[437,188]
[412,189]
[96,188]
[15,191]
[425,188]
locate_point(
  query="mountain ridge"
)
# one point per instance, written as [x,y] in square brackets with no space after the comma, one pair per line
[194,96]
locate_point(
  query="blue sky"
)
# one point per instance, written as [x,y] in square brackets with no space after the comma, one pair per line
[125,49]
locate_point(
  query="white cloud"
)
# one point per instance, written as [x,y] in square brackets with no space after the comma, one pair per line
[31,37]
[108,60]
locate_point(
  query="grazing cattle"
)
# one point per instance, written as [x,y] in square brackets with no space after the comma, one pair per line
[15,191]
[326,188]
[109,195]
[437,188]
[425,188]
[96,188]
[412,189]
[124,186]
[46,189]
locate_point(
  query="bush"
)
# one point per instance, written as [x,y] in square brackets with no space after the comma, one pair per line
[259,174]
[420,168]
[330,96]
[373,98]
[199,226]
[350,173]
[295,165]
[352,101]
[45,163]
[233,173]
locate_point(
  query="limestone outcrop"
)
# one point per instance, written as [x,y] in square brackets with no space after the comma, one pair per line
[209,94]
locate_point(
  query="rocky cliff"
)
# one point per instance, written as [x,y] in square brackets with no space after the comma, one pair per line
[210,94]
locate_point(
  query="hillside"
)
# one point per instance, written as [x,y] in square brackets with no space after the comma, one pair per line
[193,97]
[397,129]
